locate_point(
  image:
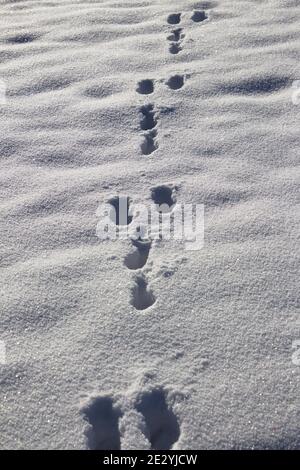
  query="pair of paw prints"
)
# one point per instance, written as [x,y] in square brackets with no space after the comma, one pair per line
[147,86]
[109,420]
[177,35]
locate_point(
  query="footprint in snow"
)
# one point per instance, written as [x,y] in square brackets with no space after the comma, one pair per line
[174,18]
[145,87]
[149,119]
[142,296]
[149,124]
[150,143]
[176,35]
[161,425]
[175,49]
[199,16]
[163,197]
[176,82]
[103,418]
[139,257]
[175,38]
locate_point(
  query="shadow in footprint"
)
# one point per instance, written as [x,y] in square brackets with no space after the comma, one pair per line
[176,35]
[163,197]
[145,87]
[174,18]
[120,210]
[139,257]
[142,297]
[176,82]
[199,16]
[149,121]
[162,425]
[149,145]
[175,48]
[103,433]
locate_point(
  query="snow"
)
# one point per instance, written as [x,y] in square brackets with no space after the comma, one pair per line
[110,344]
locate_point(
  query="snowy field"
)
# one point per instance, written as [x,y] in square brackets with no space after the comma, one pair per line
[119,344]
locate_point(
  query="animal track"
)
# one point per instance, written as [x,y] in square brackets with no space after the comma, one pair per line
[176,82]
[161,423]
[141,296]
[120,213]
[175,37]
[175,48]
[139,257]
[145,87]
[199,16]
[148,123]
[174,18]
[103,417]
[149,120]
[150,144]
[163,197]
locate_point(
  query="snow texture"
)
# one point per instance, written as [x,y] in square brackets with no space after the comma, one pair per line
[131,345]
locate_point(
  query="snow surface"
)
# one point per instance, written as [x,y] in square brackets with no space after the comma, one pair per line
[202,358]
